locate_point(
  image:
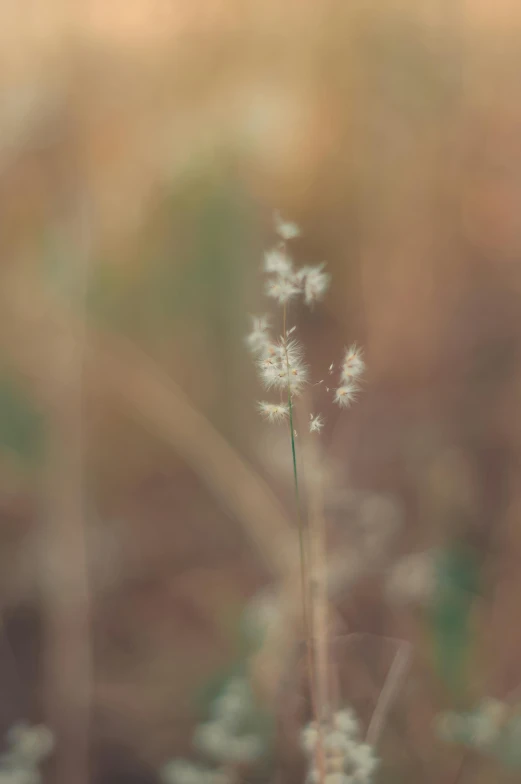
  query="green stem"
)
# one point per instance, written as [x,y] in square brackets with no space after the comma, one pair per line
[299,517]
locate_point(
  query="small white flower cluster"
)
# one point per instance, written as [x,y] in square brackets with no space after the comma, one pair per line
[347,759]
[351,369]
[28,747]
[225,739]
[480,728]
[493,728]
[280,361]
[280,365]
[286,283]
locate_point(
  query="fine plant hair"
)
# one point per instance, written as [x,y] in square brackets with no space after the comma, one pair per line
[282,369]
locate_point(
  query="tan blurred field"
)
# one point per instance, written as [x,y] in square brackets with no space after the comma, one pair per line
[143,148]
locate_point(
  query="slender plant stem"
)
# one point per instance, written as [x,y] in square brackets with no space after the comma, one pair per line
[303,557]
[303,567]
[390,689]
[319,594]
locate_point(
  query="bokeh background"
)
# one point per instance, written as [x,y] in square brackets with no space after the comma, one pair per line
[143,148]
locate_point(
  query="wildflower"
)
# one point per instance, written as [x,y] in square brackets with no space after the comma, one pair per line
[314,282]
[290,378]
[274,412]
[281,289]
[316,423]
[353,365]
[345,395]
[282,367]
[277,262]
[285,229]
[271,373]
[258,338]
[292,351]
[271,352]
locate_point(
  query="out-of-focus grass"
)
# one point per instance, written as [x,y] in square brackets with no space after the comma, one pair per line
[391,134]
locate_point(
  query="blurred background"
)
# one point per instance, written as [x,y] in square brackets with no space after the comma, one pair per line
[146,513]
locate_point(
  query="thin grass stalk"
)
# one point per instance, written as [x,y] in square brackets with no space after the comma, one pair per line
[389,691]
[319,594]
[305,575]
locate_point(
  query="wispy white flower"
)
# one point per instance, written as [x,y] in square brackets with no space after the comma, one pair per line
[316,423]
[291,350]
[282,289]
[277,262]
[281,377]
[353,365]
[271,373]
[274,412]
[282,367]
[298,376]
[345,395]
[258,338]
[285,229]
[272,352]
[315,283]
